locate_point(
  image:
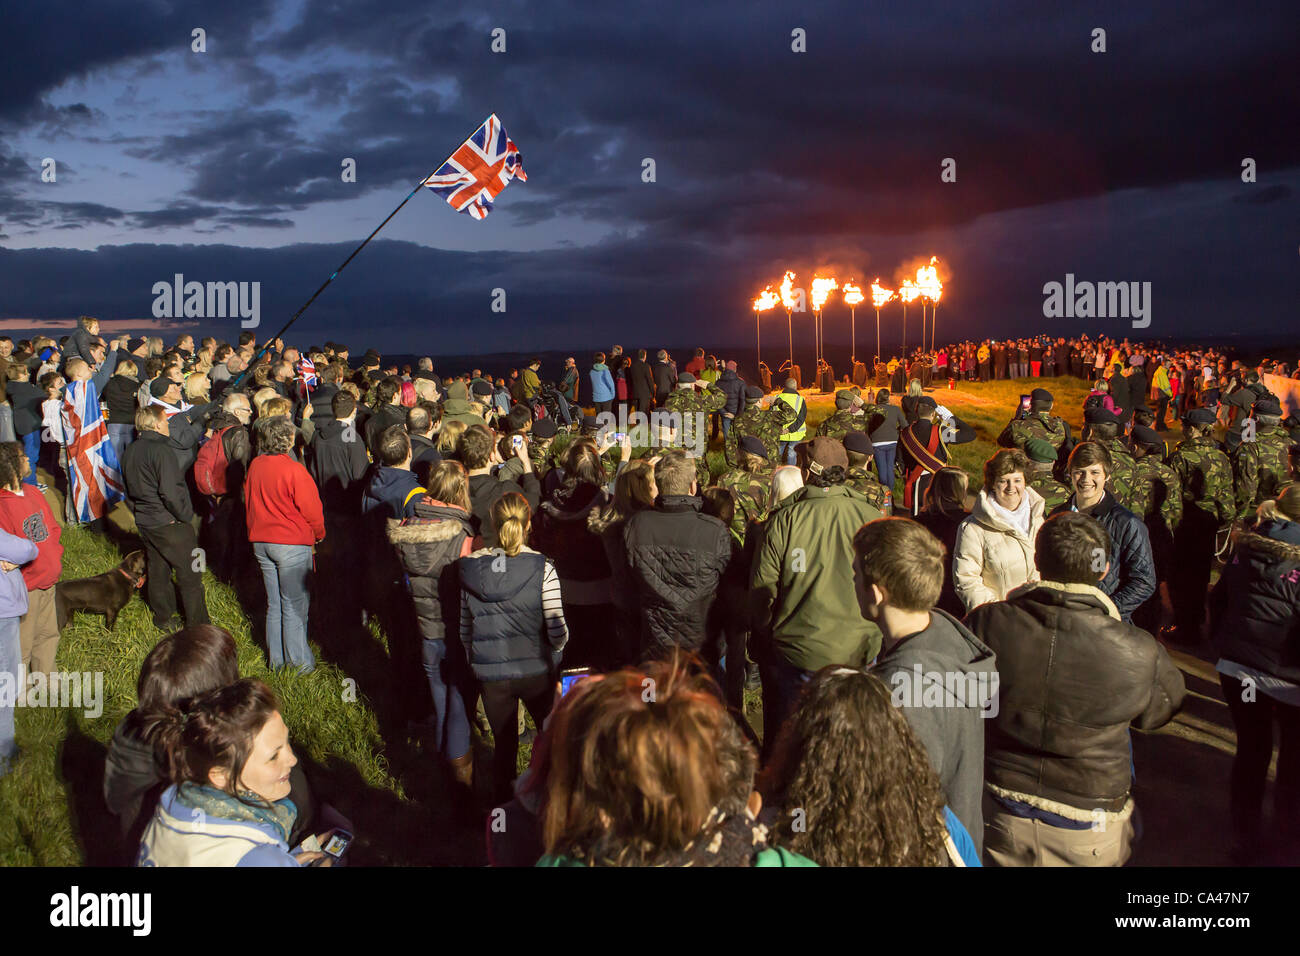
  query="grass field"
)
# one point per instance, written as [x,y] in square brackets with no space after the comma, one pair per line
[51,809]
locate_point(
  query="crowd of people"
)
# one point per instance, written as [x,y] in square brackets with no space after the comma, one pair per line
[948,677]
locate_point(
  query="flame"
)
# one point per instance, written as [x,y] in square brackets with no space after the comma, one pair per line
[767,299]
[907,292]
[787,290]
[852,294]
[927,281]
[821,290]
[880,295]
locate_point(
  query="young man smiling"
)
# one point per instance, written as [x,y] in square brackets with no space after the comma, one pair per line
[1131,578]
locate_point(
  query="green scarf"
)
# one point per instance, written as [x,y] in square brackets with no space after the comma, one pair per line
[247,807]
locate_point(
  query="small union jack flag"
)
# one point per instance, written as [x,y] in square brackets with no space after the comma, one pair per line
[483,166]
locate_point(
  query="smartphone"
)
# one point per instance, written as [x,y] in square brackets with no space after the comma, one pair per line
[1024,404]
[619,436]
[571,676]
[516,441]
[337,844]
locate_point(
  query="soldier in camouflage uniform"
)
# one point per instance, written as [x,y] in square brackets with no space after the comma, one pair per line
[849,415]
[695,406]
[1043,458]
[750,485]
[1260,464]
[1040,423]
[1208,505]
[1158,501]
[1102,426]
[541,440]
[765,424]
[861,477]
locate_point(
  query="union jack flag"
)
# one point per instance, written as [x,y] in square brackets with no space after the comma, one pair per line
[473,176]
[307,377]
[94,472]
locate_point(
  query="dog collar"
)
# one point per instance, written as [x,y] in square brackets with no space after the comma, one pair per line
[135,582]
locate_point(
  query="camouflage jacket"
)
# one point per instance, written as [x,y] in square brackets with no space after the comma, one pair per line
[765,424]
[1054,493]
[1121,474]
[695,407]
[1049,428]
[1156,487]
[1261,467]
[751,492]
[865,484]
[844,420]
[1206,477]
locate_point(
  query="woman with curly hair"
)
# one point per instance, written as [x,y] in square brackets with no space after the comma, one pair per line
[854,783]
[647,768]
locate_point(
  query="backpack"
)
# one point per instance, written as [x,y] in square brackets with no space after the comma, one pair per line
[211,464]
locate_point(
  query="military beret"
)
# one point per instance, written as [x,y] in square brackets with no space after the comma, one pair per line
[753,393]
[753,445]
[925,401]
[544,428]
[1268,406]
[590,421]
[858,442]
[844,398]
[1099,415]
[1200,416]
[1142,435]
[1041,395]
[1040,450]
[686,378]
[481,387]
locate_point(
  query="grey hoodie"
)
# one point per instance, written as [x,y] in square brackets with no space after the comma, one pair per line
[945,705]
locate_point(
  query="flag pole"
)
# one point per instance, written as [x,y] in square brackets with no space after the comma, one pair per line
[333,275]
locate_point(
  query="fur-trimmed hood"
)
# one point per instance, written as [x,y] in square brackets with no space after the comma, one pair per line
[433,522]
[1273,541]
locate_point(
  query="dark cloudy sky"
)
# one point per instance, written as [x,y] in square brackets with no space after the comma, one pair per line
[225,165]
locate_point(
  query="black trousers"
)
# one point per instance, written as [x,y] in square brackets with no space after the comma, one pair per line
[167,549]
[1189,579]
[501,703]
[1253,720]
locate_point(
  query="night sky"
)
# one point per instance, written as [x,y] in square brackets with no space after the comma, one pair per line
[225,165]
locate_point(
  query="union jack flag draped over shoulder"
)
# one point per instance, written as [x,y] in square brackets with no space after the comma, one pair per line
[483,166]
[94,472]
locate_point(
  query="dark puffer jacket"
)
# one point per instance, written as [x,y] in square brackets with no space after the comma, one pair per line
[428,546]
[676,558]
[733,387]
[1255,607]
[1072,677]
[503,625]
[1132,575]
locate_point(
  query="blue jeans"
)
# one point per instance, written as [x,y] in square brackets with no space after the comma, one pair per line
[782,685]
[119,436]
[11,667]
[32,447]
[726,426]
[452,723]
[885,456]
[286,570]
[787,452]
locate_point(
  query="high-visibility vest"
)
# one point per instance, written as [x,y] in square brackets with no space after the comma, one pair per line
[796,402]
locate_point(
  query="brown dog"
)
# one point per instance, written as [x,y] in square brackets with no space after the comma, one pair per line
[105,593]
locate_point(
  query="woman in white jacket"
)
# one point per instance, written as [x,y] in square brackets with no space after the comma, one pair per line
[994,552]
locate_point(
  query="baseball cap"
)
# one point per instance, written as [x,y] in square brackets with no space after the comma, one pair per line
[159,386]
[825,453]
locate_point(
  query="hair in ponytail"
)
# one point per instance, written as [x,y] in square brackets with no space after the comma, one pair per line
[1285,507]
[212,731]
[512,516]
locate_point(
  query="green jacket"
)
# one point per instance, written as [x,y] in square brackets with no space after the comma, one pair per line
[804,607]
